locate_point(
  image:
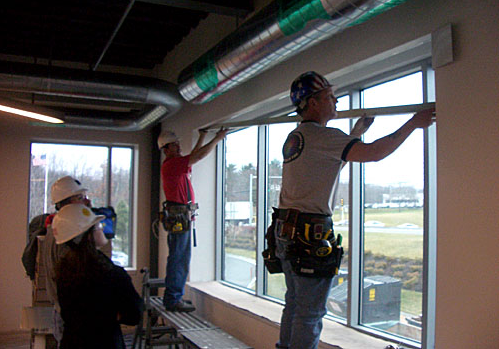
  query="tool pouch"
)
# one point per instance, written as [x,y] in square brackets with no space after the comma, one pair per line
[272,263]
[315,252]
[176,218]
[308,265]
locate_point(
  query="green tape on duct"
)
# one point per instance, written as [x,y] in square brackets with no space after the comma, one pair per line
[376,11]
[295,17]
[206,75]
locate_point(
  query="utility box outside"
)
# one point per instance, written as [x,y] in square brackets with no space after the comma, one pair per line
[381,299]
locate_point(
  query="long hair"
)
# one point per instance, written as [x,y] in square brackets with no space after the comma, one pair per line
[82,263]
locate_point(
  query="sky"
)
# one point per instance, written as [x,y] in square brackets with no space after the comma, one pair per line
[76,155]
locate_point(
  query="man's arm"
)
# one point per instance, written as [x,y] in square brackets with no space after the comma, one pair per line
[381,148]
[201,152]
[199,143]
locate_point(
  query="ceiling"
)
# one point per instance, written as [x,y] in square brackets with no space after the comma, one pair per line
[121,33]
[92,33]
[36,36]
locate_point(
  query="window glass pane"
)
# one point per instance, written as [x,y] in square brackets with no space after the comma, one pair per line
[49,162]
[338,299]
[278,133]
[393,219]
[239,250]
[89,164]
[402,91]
[121,199]
[343,103]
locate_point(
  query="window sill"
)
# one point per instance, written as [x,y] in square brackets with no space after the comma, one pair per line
[334,335]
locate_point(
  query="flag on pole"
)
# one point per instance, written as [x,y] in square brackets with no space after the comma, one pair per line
[40,160]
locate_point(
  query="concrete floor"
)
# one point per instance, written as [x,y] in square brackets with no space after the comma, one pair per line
[21,339]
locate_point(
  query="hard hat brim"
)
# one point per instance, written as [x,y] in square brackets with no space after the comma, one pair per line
[96,220]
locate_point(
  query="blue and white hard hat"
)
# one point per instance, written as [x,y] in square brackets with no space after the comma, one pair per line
[305,86]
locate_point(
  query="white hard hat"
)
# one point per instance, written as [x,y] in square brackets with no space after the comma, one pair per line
[73,220]
[166,137]
[64,188]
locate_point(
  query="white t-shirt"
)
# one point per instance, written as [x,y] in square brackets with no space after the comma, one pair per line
[313,157]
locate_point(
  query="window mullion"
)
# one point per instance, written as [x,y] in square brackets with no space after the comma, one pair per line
[261,205]
[430,223]
[220,208]
[109,174]
[355,233]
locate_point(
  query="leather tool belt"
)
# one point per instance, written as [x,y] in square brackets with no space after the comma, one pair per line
[314,251]
[308,226]
[177,218]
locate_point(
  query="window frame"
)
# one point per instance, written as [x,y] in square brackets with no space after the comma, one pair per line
[356,195]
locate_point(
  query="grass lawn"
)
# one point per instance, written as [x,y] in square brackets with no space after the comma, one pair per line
[395,245]
[412,302]
[391,245]
[392,217]
[395,216]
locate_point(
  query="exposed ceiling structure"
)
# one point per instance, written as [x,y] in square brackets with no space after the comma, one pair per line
[92,33]
[139,34]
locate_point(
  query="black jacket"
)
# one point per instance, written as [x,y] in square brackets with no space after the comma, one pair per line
[90,312]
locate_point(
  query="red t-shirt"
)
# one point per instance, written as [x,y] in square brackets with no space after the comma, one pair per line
[175,173]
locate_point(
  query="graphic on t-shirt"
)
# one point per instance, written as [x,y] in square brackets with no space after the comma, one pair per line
[293,146]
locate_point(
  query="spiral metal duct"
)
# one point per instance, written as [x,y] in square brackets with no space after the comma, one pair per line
[278,32]
[159,98]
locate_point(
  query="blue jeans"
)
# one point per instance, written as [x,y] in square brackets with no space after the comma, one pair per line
[306,298]
[177,266]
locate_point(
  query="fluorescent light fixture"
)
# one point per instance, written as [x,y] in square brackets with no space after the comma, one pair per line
[293,113]
[30,111]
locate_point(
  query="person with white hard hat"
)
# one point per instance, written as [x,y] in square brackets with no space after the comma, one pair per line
[179,194]
[95,295]
[65,190]
[302,230]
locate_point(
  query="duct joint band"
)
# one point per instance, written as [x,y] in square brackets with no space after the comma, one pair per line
[295,17]
[206,74]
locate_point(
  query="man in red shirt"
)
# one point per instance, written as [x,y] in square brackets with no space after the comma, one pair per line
[175,173]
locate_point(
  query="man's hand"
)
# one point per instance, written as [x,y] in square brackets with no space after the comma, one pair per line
[221,133]
[199,152]
[361,126]
[424,118]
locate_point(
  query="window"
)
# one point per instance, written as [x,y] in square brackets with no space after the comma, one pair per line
[277,135]
[381,210]
[106,171]
[337,302]
[239,245]
[393,218]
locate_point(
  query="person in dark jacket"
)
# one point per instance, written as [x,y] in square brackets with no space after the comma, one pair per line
[95,295]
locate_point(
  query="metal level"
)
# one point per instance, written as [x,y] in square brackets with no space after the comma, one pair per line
[346,114]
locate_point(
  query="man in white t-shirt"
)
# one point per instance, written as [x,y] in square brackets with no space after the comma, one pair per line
[314,155]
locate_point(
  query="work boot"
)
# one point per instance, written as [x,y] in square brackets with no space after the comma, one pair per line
[181,306]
